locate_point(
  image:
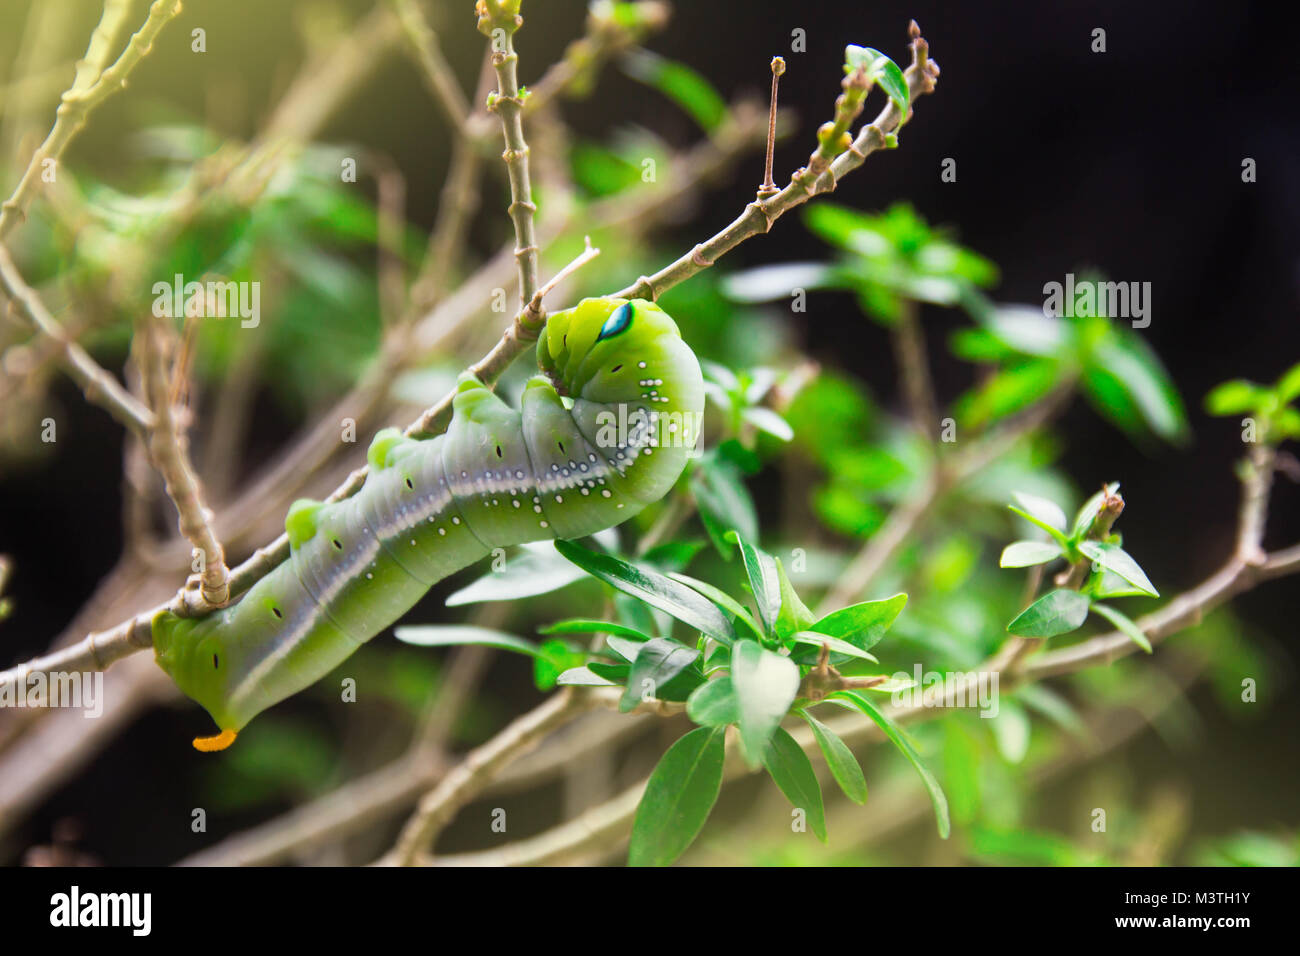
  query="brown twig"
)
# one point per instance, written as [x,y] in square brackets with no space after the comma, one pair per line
[167,451]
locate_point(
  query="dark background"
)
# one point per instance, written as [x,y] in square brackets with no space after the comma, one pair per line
[1127,161]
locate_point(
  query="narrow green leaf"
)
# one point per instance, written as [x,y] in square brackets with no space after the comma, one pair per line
[1114,558]
[764,419]
[654,589]
[1235,397]
[864,624]
[581,625]
[445,635]
[1047,512]
[1288,386]
[722,599]
[681,84]
[844,766]
[625,647]
[1011,729]
[837,645]
[1024,554]
[765,684]
[678,798]
[794,615]
[1124,623]
[714,703]
[881,69]
[1057,535]
[724,502]
[1057,612]
[584,677]
[1089,511]
[657,662]
[895,734]
[528,573]
[763,578]
[793,773]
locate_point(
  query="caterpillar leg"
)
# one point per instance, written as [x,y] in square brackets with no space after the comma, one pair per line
[216,742]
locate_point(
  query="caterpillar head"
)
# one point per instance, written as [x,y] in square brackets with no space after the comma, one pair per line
[603,349]
[193,654]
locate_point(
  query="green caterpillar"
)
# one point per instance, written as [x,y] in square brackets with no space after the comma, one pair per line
[605,430]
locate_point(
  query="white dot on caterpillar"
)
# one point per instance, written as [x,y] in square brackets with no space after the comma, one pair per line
[605,493]
[537,508]
[369,576]
[640,364]
[442,531]
[455,521]
[543,524]
[559,499]
[515,502]
[586,491]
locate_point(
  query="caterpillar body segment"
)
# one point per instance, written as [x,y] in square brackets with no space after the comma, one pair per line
[604,430]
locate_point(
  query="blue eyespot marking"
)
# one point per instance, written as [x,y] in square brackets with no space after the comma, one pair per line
[616,323]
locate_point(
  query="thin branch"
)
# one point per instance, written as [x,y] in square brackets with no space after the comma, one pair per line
[943,476]
[99,387]
[500,21]
[78,102]
[479,767]
[607,35]
[914,370]
[759,215]
[435,69]
[167,451]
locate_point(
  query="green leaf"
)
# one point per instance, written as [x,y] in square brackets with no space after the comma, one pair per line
[1058,612]
[1288,386]
[1045,513]
[1123,623]
[768,283]
[581,625]
[446,635]
[714,703]
[616,673]
[837,645]
[625,647]
[553,658]
[881,69]
[654,589]
[1089,510]
[844,766]
[1138,371]
[794,615]
[792,772]
[1011,729]
[657,662]
[678,798]
[1024,554]
[766,420]
[765,684]
[685,87]
[722,599]
[1115,559]
[724,503]
[531,571]
[1057,535]
[1235,397]
[583,677]
[763,578]
[891,730]
[862,625]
